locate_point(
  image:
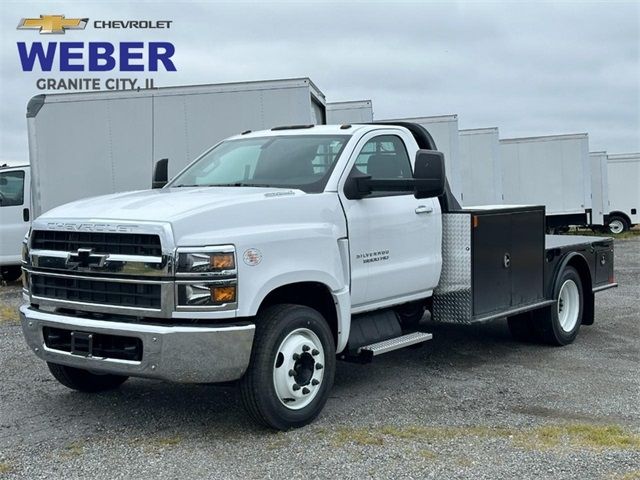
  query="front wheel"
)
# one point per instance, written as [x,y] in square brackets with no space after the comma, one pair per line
[292,367]
[10,273]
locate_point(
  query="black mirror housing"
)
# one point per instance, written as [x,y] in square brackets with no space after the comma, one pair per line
[429,173]
[160,173]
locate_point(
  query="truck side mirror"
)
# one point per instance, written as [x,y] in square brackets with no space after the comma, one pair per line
[429,172]
[160,173]
[358,185]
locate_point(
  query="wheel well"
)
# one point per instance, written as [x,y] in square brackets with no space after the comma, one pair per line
[621,214]
[580,264]
[311,294]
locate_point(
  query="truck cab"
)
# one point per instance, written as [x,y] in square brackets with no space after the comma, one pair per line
[277,252]
[15,202]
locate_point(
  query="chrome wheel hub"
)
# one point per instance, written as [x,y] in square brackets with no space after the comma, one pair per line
[298,368]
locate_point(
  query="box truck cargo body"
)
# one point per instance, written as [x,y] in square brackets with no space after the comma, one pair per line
[554,171]
[599,188]
[624,191]
[444,130]
[15,216]
[481,167]
[88,144]
[359,111]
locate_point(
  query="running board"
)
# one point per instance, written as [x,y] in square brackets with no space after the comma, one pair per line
[367,352]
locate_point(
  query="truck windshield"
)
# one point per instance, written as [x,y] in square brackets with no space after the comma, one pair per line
[304,162]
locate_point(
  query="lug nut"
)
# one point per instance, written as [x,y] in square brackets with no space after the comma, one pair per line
[296,356]
[315,382]
[306,348]
[319,366]
[292,373]
[296,387]
[314,352]
[305,391]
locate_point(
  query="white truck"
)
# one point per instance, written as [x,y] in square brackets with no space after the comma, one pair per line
[623,172]
[277,253]
[554,171]
[15,216]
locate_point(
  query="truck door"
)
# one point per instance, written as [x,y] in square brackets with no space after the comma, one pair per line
[14,213]
[394,238]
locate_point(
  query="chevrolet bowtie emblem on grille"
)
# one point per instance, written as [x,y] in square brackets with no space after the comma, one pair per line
[53,23]
[85,258]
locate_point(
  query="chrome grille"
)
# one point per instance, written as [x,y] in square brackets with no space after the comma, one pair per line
[100,242]
[97,291]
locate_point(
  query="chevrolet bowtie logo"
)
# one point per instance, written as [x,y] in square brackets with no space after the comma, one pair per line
[53,23]
[85,258]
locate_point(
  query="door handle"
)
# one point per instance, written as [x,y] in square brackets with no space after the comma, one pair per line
[25,214]
[423,209]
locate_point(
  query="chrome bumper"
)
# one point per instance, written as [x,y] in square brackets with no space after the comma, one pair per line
[174,353]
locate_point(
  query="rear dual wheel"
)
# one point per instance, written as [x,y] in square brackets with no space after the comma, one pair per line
[558,324]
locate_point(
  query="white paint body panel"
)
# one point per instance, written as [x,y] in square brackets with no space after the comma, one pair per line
[13,228]
[624,184]
[481,166]
[599,187]
[444,130]
[554,171]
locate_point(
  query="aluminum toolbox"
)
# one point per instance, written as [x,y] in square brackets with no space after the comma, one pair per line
[492,263]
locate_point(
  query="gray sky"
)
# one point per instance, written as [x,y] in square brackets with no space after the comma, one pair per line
[529,68]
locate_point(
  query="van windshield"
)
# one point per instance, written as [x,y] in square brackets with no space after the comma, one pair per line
[304,162]
[11,188]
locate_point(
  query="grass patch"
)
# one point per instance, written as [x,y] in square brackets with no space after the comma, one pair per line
[590,233]
[72,450]
[633,475]
[9,315]
[161,442]
[5,467]
[579,435]
[428,454]
[540,438]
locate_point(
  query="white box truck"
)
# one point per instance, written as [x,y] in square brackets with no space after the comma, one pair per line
[444,130]
[277,253]
[15,217]
[599,190]
[92,143]
[554,171]
[356,111]
[623,170]
[481,166]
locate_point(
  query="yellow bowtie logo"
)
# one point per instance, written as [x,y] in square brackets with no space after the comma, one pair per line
[53,23]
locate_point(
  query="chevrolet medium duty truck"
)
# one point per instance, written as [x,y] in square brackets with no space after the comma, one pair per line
[277,253]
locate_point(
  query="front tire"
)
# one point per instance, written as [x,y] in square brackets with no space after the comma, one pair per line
[559,324]
[10,273]
[292,367]
[83,380]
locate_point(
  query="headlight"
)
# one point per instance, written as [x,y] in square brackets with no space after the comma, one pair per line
[206,278]
[214,260]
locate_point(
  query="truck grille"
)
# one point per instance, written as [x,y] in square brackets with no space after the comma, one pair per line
[113,243]
[70,289]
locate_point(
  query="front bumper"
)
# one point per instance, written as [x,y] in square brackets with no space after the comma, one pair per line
[174,353]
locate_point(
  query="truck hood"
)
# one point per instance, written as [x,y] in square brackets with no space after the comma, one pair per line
[206,215]
[164,205]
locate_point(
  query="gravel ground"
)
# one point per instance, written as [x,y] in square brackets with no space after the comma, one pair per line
[470,404]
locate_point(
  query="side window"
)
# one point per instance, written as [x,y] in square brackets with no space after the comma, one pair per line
[11,188]
[384,157]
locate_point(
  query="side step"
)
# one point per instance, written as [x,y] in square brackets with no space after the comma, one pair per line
[367,352]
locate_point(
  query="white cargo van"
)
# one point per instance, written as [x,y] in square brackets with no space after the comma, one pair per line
[481,167]
[15,216]
[553,171]
[624,191]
